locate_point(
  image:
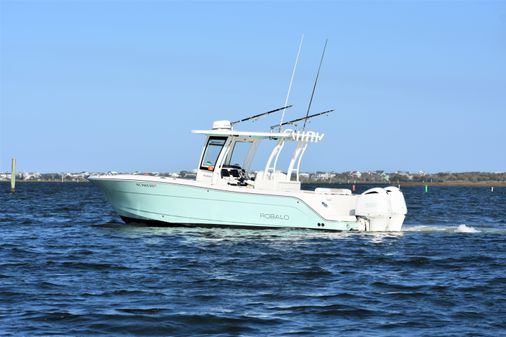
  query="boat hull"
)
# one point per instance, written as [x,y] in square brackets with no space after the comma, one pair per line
[175,203]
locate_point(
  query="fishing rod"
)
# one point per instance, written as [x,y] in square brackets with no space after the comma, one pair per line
[316,81]
[261,115]
[305,118]
[291,81]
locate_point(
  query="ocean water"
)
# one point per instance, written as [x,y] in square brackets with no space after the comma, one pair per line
[68,266]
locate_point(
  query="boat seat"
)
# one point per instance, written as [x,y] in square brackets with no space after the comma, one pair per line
[225,173]
[235,173]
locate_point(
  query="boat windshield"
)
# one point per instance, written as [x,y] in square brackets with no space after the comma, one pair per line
[213,149]
[239,153]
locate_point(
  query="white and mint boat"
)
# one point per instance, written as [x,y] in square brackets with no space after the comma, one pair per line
[224,192]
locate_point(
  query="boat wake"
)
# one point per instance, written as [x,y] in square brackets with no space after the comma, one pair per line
[293,234]
[466,229]
[463,228]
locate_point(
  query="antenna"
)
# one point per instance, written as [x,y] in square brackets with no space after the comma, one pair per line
[316,81]
[305,118]
[291,81]
[261,115]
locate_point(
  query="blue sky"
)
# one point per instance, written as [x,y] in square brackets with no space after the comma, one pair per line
[118,85]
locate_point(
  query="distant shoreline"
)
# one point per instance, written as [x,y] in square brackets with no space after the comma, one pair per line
[348,178]
[454,183]
[420,183]
[412,183]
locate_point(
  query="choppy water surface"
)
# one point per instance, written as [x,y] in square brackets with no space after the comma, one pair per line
[69,267]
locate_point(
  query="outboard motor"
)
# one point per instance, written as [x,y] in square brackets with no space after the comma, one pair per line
[398,207]
[374,205]
[384,208]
